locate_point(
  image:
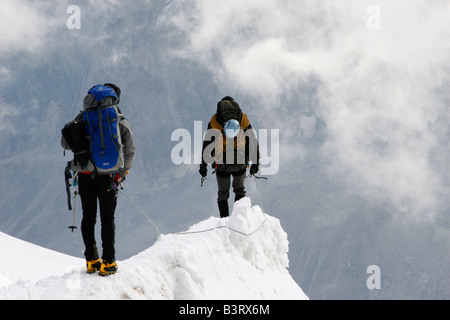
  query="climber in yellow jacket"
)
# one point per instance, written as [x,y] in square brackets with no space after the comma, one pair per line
[230,145]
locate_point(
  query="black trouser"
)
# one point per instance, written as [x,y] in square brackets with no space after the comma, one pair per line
[224,183]
[91,190]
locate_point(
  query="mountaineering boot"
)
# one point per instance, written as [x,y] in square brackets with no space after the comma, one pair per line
[238,196]
[93,265]
[108,268]
[223,208]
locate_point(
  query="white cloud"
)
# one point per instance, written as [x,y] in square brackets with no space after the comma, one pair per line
[22,26]
[378,88]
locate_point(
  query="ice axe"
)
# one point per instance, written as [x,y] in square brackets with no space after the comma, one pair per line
[68,176]
[73,227]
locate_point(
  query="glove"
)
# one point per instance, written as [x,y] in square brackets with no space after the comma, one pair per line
[203,170]
[117,178]
[254,169]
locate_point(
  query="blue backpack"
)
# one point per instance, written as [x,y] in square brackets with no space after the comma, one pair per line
[101,120]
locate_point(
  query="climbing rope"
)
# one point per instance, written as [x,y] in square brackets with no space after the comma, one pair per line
[141,212]
[231,229]
[210,229]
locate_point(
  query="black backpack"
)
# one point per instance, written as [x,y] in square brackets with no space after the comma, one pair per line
[75,135]
[228,109]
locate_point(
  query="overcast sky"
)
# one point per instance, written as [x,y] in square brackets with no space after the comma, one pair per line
[381,68]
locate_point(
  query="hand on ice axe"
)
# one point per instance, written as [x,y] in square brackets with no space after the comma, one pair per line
[119,178]
[203,172]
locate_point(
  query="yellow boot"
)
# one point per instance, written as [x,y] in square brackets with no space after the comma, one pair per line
[108,268]
[93,265]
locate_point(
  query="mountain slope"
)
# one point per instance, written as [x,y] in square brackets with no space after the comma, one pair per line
[241,257]
[28,262]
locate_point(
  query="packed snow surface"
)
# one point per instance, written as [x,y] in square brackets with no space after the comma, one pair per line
[240,257]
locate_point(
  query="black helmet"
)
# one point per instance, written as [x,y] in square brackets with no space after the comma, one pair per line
[116,89]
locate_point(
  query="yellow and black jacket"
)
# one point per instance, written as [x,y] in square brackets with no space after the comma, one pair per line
[245,147]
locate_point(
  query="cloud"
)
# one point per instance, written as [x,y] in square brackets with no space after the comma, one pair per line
[377,88]
[379,92]
[22,26]
[379,108]
[28,33]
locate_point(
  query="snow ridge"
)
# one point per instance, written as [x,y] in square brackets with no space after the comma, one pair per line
[210,261]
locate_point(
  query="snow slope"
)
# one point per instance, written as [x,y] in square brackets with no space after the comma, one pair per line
[29,263]
[240,257]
